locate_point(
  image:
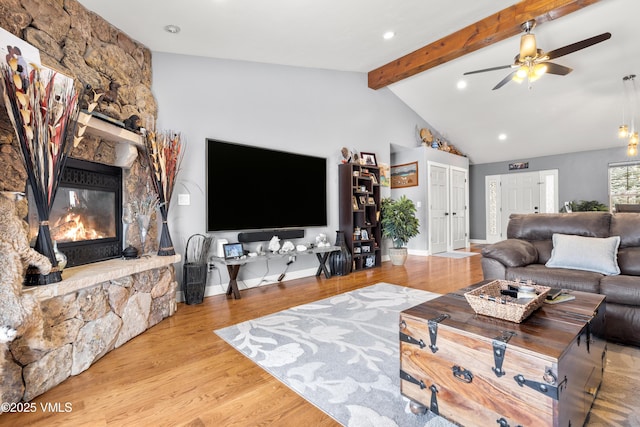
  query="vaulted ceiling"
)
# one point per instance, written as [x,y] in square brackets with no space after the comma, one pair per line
[557,114]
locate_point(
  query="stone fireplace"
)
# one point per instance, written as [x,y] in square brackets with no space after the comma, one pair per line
[98,306]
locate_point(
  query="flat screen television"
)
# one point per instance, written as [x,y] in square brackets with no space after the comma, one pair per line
[254,188]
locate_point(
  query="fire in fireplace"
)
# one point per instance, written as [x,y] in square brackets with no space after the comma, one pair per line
[86,217]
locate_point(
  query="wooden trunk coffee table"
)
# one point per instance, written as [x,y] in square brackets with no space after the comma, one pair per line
[480,370]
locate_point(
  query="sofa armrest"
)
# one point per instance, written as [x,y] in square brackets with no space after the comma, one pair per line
[512,252]
[493,270]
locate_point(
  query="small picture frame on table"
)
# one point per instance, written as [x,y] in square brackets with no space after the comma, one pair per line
[368,159]
[364,235]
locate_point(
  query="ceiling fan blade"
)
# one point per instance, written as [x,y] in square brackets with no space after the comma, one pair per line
[505,80]
[557,53]
[558,69]
[502,67]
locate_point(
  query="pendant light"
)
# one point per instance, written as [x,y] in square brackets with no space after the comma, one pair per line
[627,130]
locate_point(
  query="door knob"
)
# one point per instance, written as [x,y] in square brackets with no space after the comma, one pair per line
[446,214]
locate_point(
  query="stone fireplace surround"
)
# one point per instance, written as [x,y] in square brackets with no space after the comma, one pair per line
[97,307]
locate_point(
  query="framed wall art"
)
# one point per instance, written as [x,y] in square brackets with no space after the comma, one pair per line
[368,159]
[404,175]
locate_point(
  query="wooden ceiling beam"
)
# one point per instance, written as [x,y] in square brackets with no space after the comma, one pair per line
[497,27]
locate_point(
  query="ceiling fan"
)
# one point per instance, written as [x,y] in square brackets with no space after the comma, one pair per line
[531,63]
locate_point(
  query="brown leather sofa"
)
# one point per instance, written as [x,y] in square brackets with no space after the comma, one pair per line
[529,246]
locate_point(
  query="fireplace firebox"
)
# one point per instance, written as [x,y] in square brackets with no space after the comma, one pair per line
[86,218]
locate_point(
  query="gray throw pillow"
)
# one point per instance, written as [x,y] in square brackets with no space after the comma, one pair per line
[595,254]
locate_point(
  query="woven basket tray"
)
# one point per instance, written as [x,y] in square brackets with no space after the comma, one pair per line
[488,301]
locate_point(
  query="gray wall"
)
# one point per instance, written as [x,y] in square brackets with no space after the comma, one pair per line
[581,176]
[303,110]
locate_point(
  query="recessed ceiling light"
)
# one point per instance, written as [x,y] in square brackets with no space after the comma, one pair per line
[502,137]
[461,84]
[388,35]
[173,29]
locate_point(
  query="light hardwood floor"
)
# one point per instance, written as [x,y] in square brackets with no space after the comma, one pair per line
[180,373]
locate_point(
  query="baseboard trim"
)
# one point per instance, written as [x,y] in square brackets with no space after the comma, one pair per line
[478,241]
[418,252]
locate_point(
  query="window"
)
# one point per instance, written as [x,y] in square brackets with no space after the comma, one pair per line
[624,183]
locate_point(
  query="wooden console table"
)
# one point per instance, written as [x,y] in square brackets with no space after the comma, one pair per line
[233,265]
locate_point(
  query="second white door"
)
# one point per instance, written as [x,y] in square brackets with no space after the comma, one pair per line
[448,195]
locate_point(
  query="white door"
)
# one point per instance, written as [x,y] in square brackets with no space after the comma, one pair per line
[528,192]
[520,194]
[438,209]
[458,203]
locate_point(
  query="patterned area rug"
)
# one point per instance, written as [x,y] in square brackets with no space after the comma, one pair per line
[341,354]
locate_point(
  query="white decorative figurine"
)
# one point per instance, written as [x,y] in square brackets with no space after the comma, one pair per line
[321,240]
[287,247]
[274,244]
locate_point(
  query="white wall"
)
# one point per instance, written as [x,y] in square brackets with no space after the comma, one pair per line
[303,110]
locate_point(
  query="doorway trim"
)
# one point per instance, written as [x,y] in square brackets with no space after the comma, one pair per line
[495,225]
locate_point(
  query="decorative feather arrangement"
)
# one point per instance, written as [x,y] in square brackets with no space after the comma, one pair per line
[164,154]
[42,106]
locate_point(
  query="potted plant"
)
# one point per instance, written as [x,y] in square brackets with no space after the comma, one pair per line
[399,223]
[586,206]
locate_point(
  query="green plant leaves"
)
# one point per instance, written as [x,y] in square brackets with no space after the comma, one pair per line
[398,220]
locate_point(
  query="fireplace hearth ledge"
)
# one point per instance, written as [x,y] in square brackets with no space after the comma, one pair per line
[85,276]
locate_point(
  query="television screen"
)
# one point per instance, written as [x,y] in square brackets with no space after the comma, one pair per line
[253,188]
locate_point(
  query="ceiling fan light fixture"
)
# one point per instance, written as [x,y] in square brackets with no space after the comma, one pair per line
[529,57]
[540,69]
[533,77]
[528,48]
[522,73]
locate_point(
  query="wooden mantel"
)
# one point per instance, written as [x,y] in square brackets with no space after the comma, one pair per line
[497,27]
